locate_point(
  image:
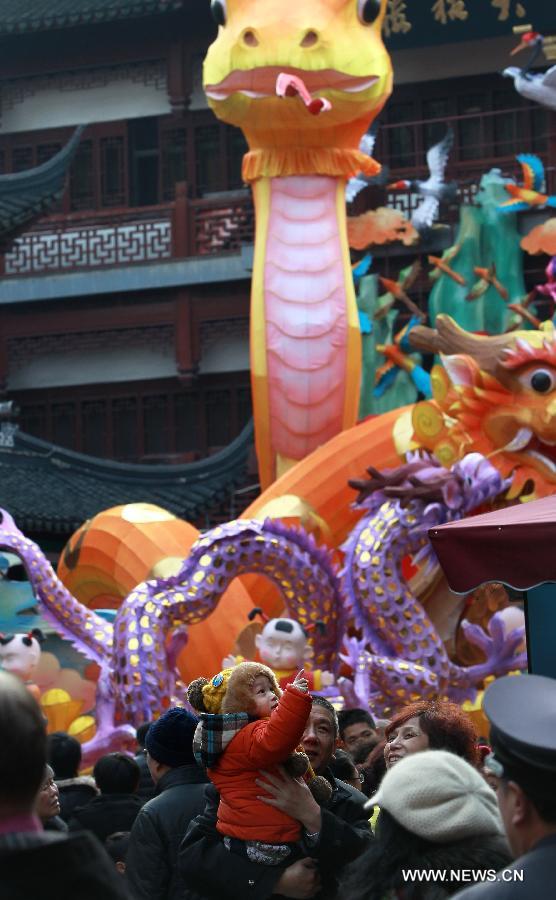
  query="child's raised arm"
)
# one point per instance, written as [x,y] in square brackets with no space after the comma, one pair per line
[278,736]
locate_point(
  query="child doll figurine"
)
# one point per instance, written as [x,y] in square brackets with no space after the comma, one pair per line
[282,645]
[20,654]
[248,724]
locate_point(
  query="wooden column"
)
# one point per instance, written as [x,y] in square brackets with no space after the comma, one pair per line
[3,354]
[180,216]
[178,87]
[187,353]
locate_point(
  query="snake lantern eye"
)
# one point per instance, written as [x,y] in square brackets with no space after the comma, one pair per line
[540,380]
[368,11]
[218,11]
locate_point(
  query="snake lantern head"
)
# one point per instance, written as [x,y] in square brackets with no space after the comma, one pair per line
[311,73]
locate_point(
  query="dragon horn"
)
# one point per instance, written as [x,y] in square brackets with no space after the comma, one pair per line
[257,611]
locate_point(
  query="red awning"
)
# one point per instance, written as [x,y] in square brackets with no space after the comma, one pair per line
[516,545]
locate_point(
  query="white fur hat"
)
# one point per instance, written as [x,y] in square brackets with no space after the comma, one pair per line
[439,796]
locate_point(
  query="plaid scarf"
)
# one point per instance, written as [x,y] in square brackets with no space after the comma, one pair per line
[213,734]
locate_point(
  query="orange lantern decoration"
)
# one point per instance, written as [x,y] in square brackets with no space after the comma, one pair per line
[121,547]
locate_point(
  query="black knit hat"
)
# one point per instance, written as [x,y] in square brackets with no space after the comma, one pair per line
[169,740]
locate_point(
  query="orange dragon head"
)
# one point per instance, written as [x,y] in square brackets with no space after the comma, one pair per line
[495,395]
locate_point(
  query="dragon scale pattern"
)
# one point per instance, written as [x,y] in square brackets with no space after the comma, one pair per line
[407,658]
[373,561]
[401,653]
[291,559]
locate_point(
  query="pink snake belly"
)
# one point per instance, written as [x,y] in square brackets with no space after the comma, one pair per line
[306,315]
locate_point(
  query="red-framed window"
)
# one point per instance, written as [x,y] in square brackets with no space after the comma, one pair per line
[140,422]
[489,118]
[136,163]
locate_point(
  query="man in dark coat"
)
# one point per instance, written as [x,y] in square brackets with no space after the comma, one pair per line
[333,835]
[151,863]
[146,789]
[117,806]
[522,713]
[64,755]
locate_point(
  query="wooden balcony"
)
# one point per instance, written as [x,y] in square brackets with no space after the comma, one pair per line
[222,223]
[63,243]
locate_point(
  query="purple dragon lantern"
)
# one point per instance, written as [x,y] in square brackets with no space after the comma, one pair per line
[401,657]
[137,654]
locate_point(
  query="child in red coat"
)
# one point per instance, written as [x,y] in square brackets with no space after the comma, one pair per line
[248,724]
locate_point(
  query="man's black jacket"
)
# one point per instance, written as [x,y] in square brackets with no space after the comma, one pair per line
[151,865]
[105,814]
[211,872]
[57,866]
[147,788]
[75,792]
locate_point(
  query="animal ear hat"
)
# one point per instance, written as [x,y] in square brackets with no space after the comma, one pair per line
[231,690]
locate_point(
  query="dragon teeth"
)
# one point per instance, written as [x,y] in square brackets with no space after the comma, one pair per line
[520,441]
[543,459]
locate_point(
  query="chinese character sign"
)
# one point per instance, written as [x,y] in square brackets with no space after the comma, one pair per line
[416,23]
[395,20]
[444,10]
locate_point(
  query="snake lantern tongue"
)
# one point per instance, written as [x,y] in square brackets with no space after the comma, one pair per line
[293,86]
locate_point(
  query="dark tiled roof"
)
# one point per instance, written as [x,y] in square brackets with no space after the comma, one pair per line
[48,489]
[19,16]
[24,196]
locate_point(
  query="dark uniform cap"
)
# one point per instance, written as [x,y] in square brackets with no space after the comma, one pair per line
[522,713]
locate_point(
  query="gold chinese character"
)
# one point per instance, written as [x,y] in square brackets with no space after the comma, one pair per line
[504,7]
[457,10]
[395,20]
[443,10]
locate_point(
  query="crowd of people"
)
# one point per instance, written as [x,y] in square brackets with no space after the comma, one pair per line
[267,794]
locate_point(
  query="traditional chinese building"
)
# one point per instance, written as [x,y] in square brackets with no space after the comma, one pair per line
[124,309]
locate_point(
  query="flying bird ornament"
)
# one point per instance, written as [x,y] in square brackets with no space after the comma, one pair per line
[434,189]
[532,193]
[441,266]
[360,181]
[537,86]
[398,290]
[487,278]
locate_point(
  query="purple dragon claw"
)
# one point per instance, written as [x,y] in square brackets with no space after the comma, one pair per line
[499,646]
[118,738]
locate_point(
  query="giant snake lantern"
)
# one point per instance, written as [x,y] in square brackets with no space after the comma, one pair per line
[303,81]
